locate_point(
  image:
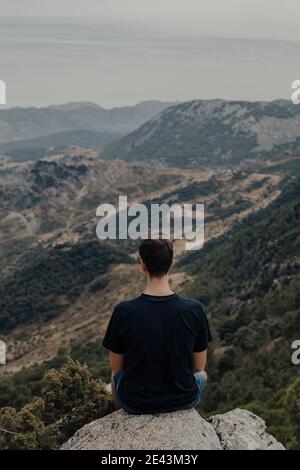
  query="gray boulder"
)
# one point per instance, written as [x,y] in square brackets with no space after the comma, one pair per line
[181,430]
[241,429]
[119,430]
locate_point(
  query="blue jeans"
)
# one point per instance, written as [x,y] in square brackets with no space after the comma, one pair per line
[200,381]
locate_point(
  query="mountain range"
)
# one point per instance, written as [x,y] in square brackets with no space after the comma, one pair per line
[30,123]
[213,132]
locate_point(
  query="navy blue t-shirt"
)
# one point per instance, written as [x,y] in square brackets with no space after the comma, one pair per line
[157,335]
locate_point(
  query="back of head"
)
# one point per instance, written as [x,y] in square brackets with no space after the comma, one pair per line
[157,256]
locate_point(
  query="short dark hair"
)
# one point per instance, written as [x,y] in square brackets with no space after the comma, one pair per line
[157,256]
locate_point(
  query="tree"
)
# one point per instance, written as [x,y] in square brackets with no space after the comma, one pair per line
[70,398]
[73,398]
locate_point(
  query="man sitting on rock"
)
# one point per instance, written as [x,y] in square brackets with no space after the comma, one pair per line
[157,342]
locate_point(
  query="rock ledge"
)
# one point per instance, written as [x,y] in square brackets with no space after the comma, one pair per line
[182,430]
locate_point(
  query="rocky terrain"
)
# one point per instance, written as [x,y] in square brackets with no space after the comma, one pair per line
[182,430]
[215,132]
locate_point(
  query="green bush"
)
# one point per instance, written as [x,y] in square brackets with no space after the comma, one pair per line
[70,398]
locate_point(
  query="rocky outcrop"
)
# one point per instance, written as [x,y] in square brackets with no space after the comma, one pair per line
[241,429]
[181,430]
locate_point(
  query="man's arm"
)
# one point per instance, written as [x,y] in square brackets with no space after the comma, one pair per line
[199,360]
[116,362]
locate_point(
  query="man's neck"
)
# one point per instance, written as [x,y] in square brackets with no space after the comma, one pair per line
[158,286]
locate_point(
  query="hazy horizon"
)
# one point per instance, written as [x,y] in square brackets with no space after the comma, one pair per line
[109,108]
[117,53]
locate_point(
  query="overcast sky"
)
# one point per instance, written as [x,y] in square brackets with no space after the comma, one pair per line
[117,52]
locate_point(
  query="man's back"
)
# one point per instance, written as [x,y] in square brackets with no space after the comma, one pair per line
[157,336]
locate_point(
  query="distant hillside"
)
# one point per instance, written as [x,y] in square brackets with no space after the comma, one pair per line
[249,282]
[213,132]
[59,285]
[60,272]
[30,123]
[33,149]
[52,203]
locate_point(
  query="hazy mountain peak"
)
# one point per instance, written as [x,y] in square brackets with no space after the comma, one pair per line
[213,132]
[74,105]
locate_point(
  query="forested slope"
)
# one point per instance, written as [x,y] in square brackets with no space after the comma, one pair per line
[250,285]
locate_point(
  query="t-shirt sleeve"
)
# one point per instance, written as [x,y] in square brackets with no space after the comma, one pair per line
[204,335]
[113,340]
